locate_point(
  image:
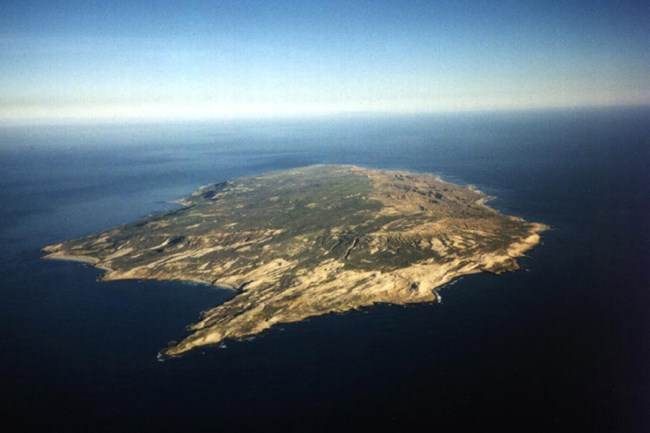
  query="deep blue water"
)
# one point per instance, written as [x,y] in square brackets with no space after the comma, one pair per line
[563,345]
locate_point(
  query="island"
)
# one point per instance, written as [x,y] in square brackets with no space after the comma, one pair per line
[308,241]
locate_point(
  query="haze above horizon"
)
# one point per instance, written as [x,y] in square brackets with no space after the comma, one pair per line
[122,60]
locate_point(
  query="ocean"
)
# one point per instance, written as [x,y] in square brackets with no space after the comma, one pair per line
[561,345]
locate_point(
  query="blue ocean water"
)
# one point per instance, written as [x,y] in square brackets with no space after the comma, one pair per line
[562,345]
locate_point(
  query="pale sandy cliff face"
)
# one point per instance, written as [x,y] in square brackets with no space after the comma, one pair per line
[310,241]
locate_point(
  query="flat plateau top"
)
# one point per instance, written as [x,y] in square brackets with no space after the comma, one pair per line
[309,241]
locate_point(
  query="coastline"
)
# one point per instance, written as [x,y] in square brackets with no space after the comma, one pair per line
[496,264]
[113,275]
[427,233]
[58,255]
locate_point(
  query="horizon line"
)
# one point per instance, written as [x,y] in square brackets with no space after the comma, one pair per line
[239,115]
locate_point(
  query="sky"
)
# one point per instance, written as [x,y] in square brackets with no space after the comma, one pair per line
[125,59]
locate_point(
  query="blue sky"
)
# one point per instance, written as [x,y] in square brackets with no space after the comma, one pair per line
[74,60]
